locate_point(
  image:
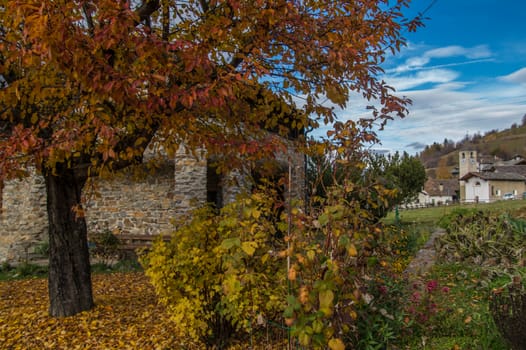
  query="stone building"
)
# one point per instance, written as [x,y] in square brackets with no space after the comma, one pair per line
[128,203]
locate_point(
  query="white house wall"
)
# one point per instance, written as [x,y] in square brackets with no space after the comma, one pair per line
[477,193]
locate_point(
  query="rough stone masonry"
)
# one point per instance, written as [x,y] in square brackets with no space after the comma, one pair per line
[137,201]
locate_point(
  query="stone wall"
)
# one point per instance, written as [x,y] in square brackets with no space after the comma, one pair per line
[132,203]
[137,201]
[145,201]
[23,219]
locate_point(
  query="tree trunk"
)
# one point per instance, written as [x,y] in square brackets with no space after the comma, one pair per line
[69,266]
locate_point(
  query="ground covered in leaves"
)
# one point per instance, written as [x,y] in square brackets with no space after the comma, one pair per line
[127,316]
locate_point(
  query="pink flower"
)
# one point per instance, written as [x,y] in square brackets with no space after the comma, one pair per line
[432,285]
[383,290]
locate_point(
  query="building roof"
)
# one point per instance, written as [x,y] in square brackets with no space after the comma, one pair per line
[495,176]
[516,160]
[517,169]
[449,187]
[487,159]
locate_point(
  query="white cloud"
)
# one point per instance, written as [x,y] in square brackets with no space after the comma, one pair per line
[417,61]
[446,112]
[476,52]
[443,105]
[473,54]
[422,77]
[518,76]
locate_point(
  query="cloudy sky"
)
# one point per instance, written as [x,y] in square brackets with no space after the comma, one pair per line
[465,72]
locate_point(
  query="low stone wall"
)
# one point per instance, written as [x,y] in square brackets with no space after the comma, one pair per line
[136,201]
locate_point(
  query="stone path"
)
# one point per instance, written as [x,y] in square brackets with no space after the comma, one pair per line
[424,258]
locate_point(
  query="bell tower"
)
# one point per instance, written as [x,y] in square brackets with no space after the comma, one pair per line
[467,162]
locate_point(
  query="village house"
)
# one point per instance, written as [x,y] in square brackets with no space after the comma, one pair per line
[438,192]
[483,180]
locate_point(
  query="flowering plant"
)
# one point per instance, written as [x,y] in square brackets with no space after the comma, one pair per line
[424,303]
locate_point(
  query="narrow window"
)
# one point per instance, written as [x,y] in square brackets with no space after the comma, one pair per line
[214,190]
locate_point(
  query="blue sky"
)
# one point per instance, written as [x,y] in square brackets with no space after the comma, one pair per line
[465,72]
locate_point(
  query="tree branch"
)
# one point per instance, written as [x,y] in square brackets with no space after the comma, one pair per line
[89,19]
[204,5]
[166,22]
[147,8]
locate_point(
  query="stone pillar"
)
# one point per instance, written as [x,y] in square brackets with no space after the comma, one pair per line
[190,180]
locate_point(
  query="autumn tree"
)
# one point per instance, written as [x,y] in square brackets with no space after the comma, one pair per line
[442,169]
[87,85]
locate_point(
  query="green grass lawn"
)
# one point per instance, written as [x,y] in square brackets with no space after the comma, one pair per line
[431,216]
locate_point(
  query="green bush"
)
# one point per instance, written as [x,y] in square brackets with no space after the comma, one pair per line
[25,270]
[42,249]
[483,239]
[104,246]
[456,215]
[334,279]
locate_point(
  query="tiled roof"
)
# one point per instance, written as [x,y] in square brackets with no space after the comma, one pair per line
[495,176]
[449,187]
[517,169]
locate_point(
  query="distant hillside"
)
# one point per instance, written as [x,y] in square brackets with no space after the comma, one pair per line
[440,158]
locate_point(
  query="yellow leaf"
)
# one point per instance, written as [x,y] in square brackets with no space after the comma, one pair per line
[336,344]
[292,274]
[326,298]
[304,295]
[352,250]
[311,254]
[249,247]
[256,214]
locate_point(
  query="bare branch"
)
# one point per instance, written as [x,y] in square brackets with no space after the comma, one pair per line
[204,5]
[166,21]
[89,19]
